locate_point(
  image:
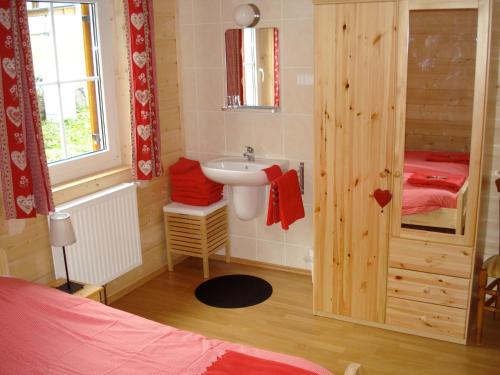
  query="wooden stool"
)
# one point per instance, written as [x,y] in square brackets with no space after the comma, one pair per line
[197,231]
[491,269]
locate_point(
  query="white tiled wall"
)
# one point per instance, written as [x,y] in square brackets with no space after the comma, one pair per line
[210,132]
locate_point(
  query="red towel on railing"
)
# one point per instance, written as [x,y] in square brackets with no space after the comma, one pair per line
[273,172]
[442,181]
[190,186]
[449,157]
[285,200]
[243,364]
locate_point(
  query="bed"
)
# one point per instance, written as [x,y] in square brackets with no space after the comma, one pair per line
[45,331]
[430,206]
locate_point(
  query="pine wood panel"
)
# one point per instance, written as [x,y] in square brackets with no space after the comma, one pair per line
[431,318]
[441,69]
[354,102]
[490,214]
[428,287]
[285,324]
[431,257]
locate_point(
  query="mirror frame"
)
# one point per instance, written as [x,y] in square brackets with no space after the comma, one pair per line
[478,120]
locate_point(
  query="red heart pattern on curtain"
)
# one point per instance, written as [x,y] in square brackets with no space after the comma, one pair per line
[146,152]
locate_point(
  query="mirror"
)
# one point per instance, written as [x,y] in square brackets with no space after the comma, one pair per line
[439,108]
[252,68]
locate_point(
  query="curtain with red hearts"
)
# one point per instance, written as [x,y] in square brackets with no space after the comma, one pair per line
[25,179]
[146,151]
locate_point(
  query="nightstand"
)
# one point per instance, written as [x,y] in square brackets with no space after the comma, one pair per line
[94,292]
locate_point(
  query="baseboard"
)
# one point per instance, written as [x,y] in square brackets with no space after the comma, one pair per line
[256,263]
[129,288]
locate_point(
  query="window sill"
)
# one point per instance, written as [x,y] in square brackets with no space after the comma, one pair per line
[90,184]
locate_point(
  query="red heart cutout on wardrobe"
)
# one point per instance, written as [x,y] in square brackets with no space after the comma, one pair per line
[383,197]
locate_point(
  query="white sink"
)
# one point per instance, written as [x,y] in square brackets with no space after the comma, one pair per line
[240,171]
[246,180]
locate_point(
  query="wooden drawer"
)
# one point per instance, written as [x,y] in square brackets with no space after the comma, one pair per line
[428,287]
[426,317]
[430,257]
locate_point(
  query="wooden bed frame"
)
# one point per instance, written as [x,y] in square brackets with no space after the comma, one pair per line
[448,218]
[351,369]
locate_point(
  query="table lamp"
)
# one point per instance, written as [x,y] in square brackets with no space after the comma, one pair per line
[61,234]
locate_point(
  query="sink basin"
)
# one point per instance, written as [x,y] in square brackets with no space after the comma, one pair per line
[246,180]
[240,171]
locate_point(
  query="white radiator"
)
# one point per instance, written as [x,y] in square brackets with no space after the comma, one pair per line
[108,243]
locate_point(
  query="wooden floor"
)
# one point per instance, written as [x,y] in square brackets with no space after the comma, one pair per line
[284,323]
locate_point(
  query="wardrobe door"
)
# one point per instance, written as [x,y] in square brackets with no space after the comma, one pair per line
[354,124]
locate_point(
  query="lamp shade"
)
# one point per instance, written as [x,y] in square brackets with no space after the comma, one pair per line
[246,15]
[61,231]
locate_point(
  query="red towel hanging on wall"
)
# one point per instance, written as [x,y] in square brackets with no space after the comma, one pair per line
[285,200]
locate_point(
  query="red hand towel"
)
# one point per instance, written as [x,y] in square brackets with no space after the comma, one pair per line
[242,364]
[443,181]
[449,157]
[273,172]
[285,200]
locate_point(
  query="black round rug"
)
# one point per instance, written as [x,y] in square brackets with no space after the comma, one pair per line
[233,291]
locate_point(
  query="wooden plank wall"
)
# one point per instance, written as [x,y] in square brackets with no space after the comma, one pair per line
[441,66]
[26,241]
[489,214]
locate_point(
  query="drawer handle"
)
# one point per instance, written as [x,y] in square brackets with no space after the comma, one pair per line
[423,318]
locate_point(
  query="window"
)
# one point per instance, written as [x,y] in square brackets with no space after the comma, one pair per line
[70,75]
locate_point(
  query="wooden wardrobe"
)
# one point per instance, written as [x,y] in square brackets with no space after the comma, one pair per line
[393,79]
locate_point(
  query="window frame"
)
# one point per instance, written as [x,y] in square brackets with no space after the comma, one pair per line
[110,157]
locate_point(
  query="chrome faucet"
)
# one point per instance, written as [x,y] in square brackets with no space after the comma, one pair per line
[249,154]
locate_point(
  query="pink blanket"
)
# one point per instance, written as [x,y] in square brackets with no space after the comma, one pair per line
[418,199]
[45,331]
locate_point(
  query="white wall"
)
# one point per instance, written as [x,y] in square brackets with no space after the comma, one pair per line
[210,132]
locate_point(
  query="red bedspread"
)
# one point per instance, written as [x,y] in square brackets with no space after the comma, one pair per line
[418,199]
[45,331]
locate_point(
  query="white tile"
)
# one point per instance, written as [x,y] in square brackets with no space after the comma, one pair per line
[298,9]
[187,46]
[271,252]
[240,227]
[297,90]
[268,133]
[298,138]
[297,42]
[243,247]
[295,257]
[191,131]
[185,11]
[189,89]
[211,128]
[207,11]
[301,232]
[209,89]
[239,132]
[208,46]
